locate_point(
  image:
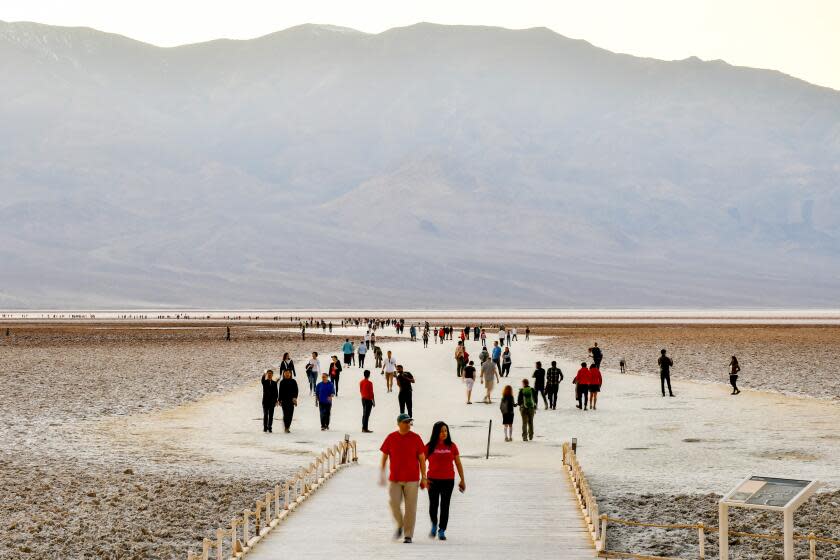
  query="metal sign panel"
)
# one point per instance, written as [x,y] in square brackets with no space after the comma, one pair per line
[767,491]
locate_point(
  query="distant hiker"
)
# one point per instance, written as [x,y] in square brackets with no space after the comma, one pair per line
[527,333]
[412,333]
[596,354]
[227,333]
[404,381]
[513,335]
[595,381]
[347,349]
[377,355]
[476,331]
[539,383]
[302,331]
[483,338]
[665,365]
[507,337]
[269,399]
[368,400]
[734,368]
[581,382]
[407,474]
[442,454]
[287,364]
[325,391]
[553,377]
[622,365]
[527,403]
[329,326]
[484,355]
[469,380]
[287,394]
[442,334]
[435,333]
[459,358]
[506,405]
[489,376]
[389,369]
[335,372]
[362,353]
[506,362]
[502,334]
[425,338]
[497,357]
[313,371]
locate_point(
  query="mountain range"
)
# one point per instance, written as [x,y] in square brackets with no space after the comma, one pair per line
[426,166]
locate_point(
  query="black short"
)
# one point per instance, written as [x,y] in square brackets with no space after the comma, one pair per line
[507,418]
[594,388]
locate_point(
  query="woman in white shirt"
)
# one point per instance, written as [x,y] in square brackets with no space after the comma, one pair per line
[389,368]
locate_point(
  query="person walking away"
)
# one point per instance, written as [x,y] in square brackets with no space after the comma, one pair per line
[489,376]
[412,333]
[287,364]
[425,338]
[497,357]
[227,334]
[435,333]
[665,365]
[404,382]
[442,454]
[622,365]
[527,333]
[303,332]
[377,356]
[476,331]
[506,405]
[442,334]
[595,381]
[513,335]
[347,349]
[287,394]
[335,372]
[269,399]
[325,391]
[506,362]
[405,451]
[362,353]
[484,355]
[507,337]
[581,382]
[526,400]
[483,338]
[368,400]
[502,334]
[313,371]
[553,377]
[539,383]
[469,380]
[596,354]
[389,369]
[734,368]
[459,358]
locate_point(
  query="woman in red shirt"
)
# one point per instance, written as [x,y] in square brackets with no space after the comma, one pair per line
[441,454]
[595,381]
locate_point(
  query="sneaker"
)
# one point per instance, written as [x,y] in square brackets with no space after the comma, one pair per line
[433,532]
[442,535]
[407,540]
[398,533]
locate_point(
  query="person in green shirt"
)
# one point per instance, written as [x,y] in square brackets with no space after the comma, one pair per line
[527,402]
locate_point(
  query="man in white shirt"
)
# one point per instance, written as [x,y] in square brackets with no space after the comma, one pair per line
[389,368]
[514,334]
[502,335]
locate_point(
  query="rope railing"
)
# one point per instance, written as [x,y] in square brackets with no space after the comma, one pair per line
[598,523]
[273,507]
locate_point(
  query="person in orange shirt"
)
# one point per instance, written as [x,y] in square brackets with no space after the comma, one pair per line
[595,381]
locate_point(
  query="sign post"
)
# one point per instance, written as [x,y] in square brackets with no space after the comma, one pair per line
[784,495]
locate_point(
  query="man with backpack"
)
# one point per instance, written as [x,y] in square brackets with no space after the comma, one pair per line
[527,402]
[596,354]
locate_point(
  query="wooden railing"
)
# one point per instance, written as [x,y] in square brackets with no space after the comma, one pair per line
[273,507]
[597,523]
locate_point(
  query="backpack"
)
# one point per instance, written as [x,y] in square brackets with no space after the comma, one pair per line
[528,398]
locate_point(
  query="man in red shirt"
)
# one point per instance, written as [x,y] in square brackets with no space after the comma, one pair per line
[407,454]
[368,402]
[581,382]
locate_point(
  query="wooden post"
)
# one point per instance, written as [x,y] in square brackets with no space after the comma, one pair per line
[812,546]
[723,530]
[267,509]
[220,543]
[288,493]
[489,431]
[276,500]
[344,448]
[701,534]
[205,549]
[233,534]
[257,514]
[604,532]
[245,525]
[788,534]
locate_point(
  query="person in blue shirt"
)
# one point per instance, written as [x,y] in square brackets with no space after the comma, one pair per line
[497,356]
[324,393]
[347,348]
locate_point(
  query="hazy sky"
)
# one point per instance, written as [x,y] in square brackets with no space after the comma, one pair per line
[798,37]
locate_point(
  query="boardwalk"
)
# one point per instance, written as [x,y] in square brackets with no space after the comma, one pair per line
[505,513]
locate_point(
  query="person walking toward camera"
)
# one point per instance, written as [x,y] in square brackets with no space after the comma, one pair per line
[389,369]
[269,399]
[442,454]
[506,362]
[553,377]
[362,351]
[404,381]
[405,452]
[325,391]
[734,368]
[313,371]
[489,376]
[665,365]
[368,400]
[287,394]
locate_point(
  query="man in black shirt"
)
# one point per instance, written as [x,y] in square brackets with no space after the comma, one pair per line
[404,381]
[269,399]
[553,377]
[597,355]
[665,365]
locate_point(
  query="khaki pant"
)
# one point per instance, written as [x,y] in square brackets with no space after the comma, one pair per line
[407,491]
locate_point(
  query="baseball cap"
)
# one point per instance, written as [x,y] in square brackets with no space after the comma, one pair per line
[404,418]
